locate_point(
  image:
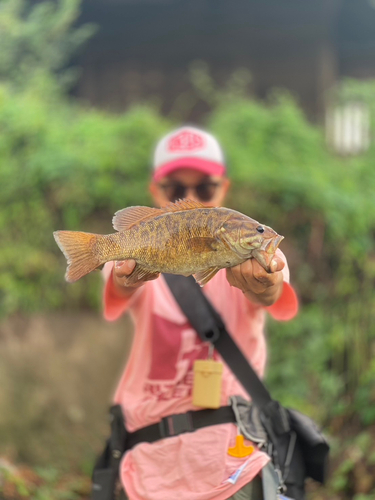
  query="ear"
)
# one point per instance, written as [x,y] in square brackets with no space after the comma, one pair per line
[226,185]
[152,187]
[157,194]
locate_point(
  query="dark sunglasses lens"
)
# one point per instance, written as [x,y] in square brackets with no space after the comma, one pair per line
[205,191]
[176,192]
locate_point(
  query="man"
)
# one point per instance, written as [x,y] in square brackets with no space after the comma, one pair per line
[157,382]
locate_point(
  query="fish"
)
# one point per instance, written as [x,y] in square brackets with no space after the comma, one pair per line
[184,237]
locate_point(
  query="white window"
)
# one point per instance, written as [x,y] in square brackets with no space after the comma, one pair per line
[348,128]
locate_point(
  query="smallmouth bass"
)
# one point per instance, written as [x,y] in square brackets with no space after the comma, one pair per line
[184,238]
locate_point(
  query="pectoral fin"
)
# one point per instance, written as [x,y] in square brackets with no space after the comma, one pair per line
[204,244]
[203,277]
[141,273]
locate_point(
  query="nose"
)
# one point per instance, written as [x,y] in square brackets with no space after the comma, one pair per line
[191,193]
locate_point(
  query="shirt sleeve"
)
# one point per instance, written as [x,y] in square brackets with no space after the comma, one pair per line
[113,305]
[286,307]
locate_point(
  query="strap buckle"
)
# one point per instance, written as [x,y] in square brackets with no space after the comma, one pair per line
[211,335]
[178,423]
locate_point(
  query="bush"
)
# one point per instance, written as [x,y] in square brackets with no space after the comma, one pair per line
[324,206]
[38,39]
[63,166]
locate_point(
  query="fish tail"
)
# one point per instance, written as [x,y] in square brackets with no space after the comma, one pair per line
[79,250]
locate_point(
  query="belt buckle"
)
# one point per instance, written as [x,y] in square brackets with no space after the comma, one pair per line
[178,423]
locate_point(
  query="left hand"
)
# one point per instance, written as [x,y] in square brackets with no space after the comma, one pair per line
[258,286]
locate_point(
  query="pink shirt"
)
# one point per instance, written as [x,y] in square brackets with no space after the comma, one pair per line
[157,381]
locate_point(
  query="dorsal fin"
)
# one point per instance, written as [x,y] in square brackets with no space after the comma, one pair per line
[181,205]
[128,217]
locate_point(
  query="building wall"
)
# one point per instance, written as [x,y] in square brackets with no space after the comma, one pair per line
[144,50]
[61,370]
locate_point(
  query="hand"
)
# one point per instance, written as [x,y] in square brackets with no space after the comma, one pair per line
[122,269]
[258,286]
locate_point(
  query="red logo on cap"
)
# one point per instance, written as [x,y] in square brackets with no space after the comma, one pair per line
[185,141]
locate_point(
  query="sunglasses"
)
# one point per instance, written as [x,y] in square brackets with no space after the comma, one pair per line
[204,191]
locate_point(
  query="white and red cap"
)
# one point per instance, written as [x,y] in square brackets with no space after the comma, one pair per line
[188,147]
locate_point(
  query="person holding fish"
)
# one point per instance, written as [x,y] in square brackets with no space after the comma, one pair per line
[244,275]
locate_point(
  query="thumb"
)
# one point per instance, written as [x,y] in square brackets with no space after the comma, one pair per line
[124,268]
[277,264]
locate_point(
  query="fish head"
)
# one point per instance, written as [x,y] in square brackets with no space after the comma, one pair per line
[248,238]
[255,236]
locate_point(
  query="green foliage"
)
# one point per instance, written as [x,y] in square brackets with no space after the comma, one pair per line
[206,89]
[38,39]
[355,473]
[63,167]
[324,206]
[41,484]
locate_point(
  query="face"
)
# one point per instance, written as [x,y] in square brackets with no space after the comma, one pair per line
[189,183]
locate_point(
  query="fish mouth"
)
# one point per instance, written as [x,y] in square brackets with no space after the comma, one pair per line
[272,244]
[264,255]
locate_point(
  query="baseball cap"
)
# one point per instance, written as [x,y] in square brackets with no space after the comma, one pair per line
[188,147]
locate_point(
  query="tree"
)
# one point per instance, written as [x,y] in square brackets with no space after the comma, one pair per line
[38,40]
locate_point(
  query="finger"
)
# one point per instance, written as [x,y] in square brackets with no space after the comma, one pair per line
[234,275]
[247,269]
[242,277]
[124,268]
[261,275]
[230,277]
[277,264]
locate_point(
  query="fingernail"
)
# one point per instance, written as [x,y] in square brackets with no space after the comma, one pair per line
[119,263]
[273,265]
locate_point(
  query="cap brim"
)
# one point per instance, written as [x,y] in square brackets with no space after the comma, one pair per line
[205,166]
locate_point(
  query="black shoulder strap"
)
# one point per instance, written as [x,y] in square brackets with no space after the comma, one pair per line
[211,328]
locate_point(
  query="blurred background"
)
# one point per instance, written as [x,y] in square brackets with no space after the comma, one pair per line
[86,89]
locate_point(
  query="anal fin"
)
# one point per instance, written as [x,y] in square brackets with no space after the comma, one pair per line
[203,277]
[141,273]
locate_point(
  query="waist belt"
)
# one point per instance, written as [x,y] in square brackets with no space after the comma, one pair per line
[173,425]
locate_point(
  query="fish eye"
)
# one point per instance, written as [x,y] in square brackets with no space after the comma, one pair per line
[260,229]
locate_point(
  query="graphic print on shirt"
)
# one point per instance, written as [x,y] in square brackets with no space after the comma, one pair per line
[175,347]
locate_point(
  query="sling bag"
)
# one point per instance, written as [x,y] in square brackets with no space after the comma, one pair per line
[297,447]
